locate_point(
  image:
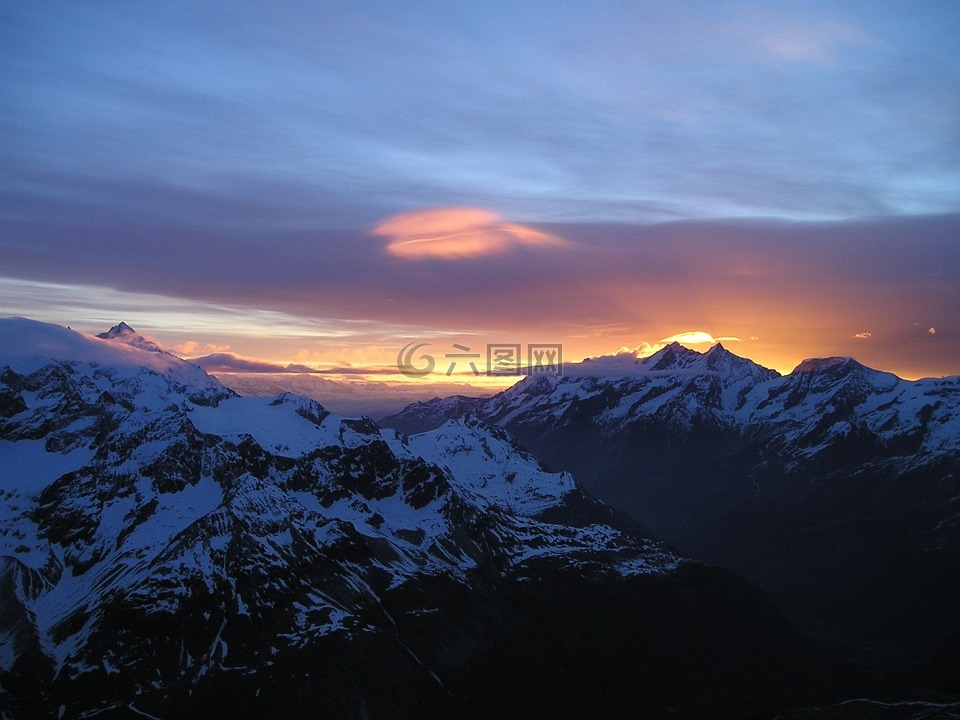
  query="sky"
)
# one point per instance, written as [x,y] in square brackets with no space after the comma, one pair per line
[319,184]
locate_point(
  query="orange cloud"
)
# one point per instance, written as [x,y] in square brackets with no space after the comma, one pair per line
[192,347]
[457,233]
[863,335]
[697,337]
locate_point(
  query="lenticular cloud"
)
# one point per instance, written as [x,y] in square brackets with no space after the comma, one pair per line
[457,233]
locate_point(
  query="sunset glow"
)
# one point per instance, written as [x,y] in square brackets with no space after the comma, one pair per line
[457,233]
[560,358]
[316,189]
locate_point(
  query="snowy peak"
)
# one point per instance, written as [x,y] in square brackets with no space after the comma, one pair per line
[626,364]
[672,359]
[614,391]
[125,334]
[422,416]
[823,373]
[718,353]
[120,330]
[29,339]
[828,364]
[29,345]
[715,361]
[821,404]
[729,364]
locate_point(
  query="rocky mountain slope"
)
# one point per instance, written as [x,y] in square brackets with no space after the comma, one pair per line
[169,549]
[836,487]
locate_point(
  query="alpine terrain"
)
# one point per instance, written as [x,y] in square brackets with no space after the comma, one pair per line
[836,487]
[169,549]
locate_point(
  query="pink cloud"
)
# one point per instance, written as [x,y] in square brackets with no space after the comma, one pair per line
[458,233]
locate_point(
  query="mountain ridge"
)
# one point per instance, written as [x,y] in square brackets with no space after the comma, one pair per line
[816,484]
[177,550]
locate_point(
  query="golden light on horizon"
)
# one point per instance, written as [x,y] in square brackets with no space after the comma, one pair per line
[377,363]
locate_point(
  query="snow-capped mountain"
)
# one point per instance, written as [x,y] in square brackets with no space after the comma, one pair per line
[674,381]
[836,487]
[170,549]
[125,334]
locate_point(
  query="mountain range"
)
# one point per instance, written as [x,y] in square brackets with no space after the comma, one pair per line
[170,549]
[346,397]
[836,487]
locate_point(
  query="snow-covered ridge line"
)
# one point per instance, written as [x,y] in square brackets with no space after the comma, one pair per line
[27,345]
[129,477]
[674,359]
[679,387]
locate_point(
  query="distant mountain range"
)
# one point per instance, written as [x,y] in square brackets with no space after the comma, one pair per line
[836,487]
[170,549]
[350,398]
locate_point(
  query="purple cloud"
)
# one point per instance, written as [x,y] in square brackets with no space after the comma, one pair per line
[230,363]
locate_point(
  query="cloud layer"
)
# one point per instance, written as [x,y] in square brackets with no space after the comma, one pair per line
[788,290]
[231,363]
[342,114]
[212,173]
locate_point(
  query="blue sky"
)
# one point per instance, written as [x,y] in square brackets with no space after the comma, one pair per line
[343,112]
[138,138]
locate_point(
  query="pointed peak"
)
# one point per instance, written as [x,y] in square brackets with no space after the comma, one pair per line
[117,331]
[718,351]
[673,355]
[123,333]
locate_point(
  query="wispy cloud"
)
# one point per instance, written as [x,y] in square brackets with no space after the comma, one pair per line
[802,287]
[192,347]
[130,299]
[817,41]
[231,363]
